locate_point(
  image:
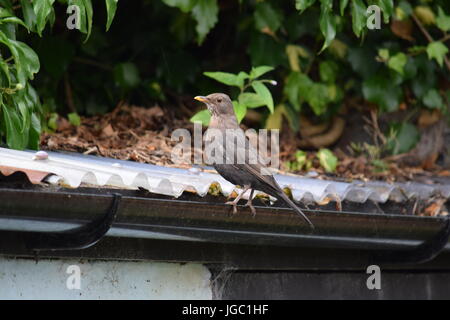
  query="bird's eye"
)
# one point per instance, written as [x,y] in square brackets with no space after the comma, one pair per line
[219,100]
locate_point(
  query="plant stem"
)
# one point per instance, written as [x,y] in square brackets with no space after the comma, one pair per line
[428,36]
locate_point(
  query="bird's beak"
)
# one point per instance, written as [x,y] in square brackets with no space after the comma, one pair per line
[201,98]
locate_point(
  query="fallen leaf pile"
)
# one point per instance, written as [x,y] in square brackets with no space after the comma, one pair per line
[126,133]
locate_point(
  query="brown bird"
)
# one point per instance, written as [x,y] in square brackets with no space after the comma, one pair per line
[240,166]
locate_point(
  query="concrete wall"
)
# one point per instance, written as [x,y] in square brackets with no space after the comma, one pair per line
[60,279]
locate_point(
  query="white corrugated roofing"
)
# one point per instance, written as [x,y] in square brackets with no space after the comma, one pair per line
[72,169]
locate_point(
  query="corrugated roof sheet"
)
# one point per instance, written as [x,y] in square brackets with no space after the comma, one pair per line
[74,169]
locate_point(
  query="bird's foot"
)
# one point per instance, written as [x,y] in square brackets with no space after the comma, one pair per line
[234,204]
[252,208]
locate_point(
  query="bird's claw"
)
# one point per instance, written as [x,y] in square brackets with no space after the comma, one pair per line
[252,208]
[234,204]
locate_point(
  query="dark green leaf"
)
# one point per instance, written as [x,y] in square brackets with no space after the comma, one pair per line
[296,88]
[184,5]
[28,14]
[387,7]
[432,99]
[405,138]
[205,13]
[267,17]
[111,6]
[318,98]
[86,14]
[358,16]
[42,10]
[343,5]
[56,54]
[328,71]
[14,138]
[378,89]
[303,4]
[327,24]
[126,75]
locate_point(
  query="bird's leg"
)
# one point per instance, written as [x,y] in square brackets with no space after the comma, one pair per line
[235,201]
[249,203]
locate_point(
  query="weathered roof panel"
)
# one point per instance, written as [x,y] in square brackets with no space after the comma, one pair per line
[71,169]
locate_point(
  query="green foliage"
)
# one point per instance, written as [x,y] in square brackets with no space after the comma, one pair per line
[403,137]
[327,160]
[245,100]
[20,108]
[320,52]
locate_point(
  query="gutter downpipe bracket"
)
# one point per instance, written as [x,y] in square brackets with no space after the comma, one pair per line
[78,238]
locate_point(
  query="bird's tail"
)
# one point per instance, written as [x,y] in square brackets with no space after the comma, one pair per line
[291,204]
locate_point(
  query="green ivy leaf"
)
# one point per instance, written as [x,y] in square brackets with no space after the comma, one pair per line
[437,50]
[203,117]
[227,78]
[443,20]
[111,6]
[405,138]
[264,94]
[358,17]
[205,13]
[432,99]
[327,160]
[398,62]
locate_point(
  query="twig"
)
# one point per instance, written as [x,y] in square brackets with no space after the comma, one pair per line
[428,36]
[69,96]
[445,38]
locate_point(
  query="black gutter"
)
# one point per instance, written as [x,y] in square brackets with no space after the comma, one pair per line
[213,222]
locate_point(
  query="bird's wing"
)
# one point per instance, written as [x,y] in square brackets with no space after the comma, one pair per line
[261,173]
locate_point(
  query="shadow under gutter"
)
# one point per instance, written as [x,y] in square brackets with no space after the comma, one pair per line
[385,238]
